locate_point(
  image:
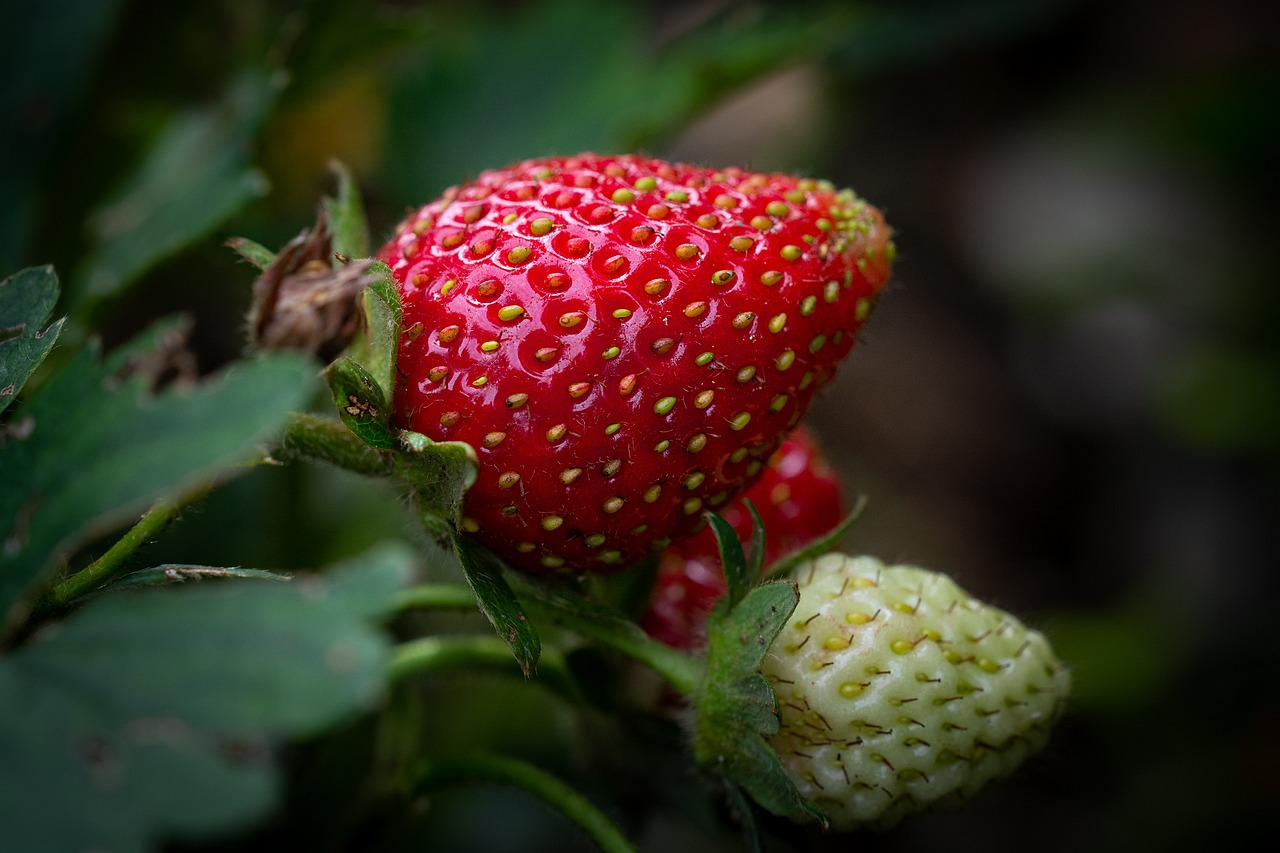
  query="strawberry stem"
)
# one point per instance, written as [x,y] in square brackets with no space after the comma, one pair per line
[566,800]
[324,439]
[427,654]
[594,621]
[436,596]
[112,563]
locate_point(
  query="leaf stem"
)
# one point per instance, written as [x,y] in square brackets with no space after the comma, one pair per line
[593,621]
[532,780]
[427,654]
[112,563]
[682,671]
[435,596]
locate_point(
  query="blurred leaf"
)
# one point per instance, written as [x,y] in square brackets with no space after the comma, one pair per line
[155,712]
[26,299]
[498,603]
[360,401]
[1224,400]
[566,76]
[50,53]
[92,447]
[193,178]
[370,584]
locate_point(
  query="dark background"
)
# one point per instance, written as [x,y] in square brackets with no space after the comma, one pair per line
[1069,399]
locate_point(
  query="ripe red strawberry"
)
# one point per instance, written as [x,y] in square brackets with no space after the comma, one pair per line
[624,341]
[799,499]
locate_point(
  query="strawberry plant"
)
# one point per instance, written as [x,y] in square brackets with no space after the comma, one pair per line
[568,367]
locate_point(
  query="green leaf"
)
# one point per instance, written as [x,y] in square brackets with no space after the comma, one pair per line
[361,402]
[194,177]
[156,712]
[784,565]
[26,300]
[616,89]
[737,709]
[498,603]
[732,559]
[346,217]
[93,447]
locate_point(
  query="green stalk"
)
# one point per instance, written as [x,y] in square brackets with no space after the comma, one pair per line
[436,596]
[591,620]
[483,652]
[322,439]
[540,784]
[112,564]
[682,671]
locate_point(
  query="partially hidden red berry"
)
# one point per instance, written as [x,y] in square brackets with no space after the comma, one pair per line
[800,500]
[624,341]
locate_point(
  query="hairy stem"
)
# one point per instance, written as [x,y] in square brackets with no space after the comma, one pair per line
[539,783]
[322,439]
[113,563]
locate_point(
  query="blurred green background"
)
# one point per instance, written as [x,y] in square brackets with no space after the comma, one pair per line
[1069,399]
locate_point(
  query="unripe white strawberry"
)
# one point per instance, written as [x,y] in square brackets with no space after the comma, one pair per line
[900,692]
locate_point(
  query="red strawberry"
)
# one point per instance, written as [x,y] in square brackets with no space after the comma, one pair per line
[624,341]
[800,500]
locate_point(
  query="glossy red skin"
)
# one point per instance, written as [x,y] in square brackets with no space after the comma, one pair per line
[582,288]
[800,500]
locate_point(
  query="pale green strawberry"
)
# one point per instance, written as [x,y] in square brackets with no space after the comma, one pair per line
[899,692]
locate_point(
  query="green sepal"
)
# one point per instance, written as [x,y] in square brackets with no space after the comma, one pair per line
[361,403]
[732,558]
[376,348]
[439,473]
[738,710]
[26,300]
[785,564]
[497,602]
[755,552]
[346,216]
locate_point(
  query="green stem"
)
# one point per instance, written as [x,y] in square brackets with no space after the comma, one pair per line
[112,563]
[682,671]
[436,596]
[540,784]
[428,654]
[318,438]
